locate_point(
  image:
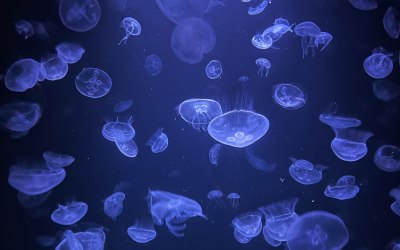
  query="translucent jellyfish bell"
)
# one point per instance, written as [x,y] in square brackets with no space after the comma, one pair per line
[258,9]
[142,231]
[55,67]
[132,28]
[22,75]
[264,66]
[113,205]
[199,112]
[127,148]
[153,65]
[350,144]
[288,96]
[391,22]
[213,154]
[324,38]
[79,15]
[238,128]
[305,172]
[214,69]
[118,131]
[24,28]
[234,197]
[378,65]
[344,189]
[19,116]
[387,158]
[158,141]
[122,106]
[364,4]
[385,90]
[247,225]
[261,42]
[70,213]
[93,82]
[215,196]
[70,52]
[308,31]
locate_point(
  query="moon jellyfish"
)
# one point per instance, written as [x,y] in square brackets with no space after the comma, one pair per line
[279,216]
[213,154]
[395,206]
[93,82]
[132,28]
[173,210]
[191,39]
[317,230]
[238,128]
[288,96]
[234,198]
[55,67]
[70,52]
[387,158]
[247,226]
[70,213]
[118,131]
[153,65]
[24,28]
[378,65]
[91,239]
[199,112]
[56,160]
[262,42]
[257,162]
[364,4]
[214,69]
[158,141]
[308,31]
[243,79]
[324,38]
[305,172]
[385,90]
[350,144]
[113,205]
[274,33]
[127,148]
[264,66]
[123,106]
[344,189]
[69,242]
[391,22]
[142,231]
[19,116]
[340,122]
[215,196]
[79,15]
[271,241]
[258,9]
[22,75]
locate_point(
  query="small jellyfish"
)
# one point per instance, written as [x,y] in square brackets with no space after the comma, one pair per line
[214,69]
[79,15]
[132,28]
[387,158]
[247,226]
[234,198]
[56,160]
[22,75]
[158,141]
[243,79]
[364,4]
[344,189]
[262,42]
[55,67]
[288,96]
[93,82]
[127,148]
[395,206]
[274,33]
[91,239]
[24,28]
[308,31]
[391,22]
[70,52]
[305,172]
[142,231]
[258,9]
[123,106]
[19,116]
[213,154]
[324,38]
[113,205]
[264,66]
[385,90]
[118,131]
[70,213]
[341,122]
[350,144]
[153,65]
[378,65]
[215,197]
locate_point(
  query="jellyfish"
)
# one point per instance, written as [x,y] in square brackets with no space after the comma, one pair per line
[340,122]
[271,241]
[234,198]
[70,52]
[350,144]
[305,172]
[261,42]
[385,90]
[214,69]
[57,160]
[247,226]
[158,141]
[364,4]
[127,148]
[257,162]
[274,33]
[142,231]
[238,128]
[324,38]
[79,15]
[91,239]
[391,22]
[70,213]
[93,82]
[122,106]
[215,196]
[191,39]
[308,31]
[243,79]
[24,28]
[264,66]
[344,189]
[258,9]
[69,242]
[387,158]
[213,154]
[22,75]
[132,28]
[118,131]
[395,206]
[113,205]
[288,96]
[55,67]
[46,241]
[153,65]
[19,116]
[199,112]
[378,65]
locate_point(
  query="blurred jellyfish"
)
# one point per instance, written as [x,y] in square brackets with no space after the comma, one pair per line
[213,154]
[247,226]
[113,205]
[391,22]
[214,69]
[288,96]
[215,197]
[234,198]
[22,75]
[32,201]
[153,65]
[258,9]
[378,65]
[243,79]
[93,82]
[56,160]
[123,106]
[142,231]
[364,4]
[19,116]
[158,141]
[387,158]
[344,189]
[395,206]
[385,90]
[70,213]
[264,66]
[70,52]
[350,144]
[308,31]
[305,172]
[55,67]
[46,241]
[257,162]
[132,28]
[324,38]
[199,112]
[24,28]
[79,15]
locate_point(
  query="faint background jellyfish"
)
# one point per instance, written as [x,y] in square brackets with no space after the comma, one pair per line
[199,112]
[22,75]
[113,205]
[234,198]
[214,69]
[93,82]
[385,90]
[69,52]
[317,230]
[57,160]
[79,15]
[215,197]
[257,162]
[191,39]
[378,65]
[288,96]
[324,38]
[19,116]
[70,213]
[40,30]
[142,231]
[243,79]
[387,158]
[213,154]
[247,226]
[158,142]
[153,65]
[258,9]
[132,28]
[308,31]
[344,189]
[24,28]
[118,5]
[46,241]
[395,206]
[55,67]
[122,106]
[394,244]
[391,22]
[350,144]
[364,4]
[264,66]
[32,201]
[305,172]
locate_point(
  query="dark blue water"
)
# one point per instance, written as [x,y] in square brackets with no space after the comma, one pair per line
[71,123]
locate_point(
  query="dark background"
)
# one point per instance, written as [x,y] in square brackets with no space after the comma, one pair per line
[71,123]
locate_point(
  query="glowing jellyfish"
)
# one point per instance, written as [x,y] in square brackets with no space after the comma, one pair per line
[336,121]
[132,28]
[305,172]
[214,69]
[288,96]
[113,205]
[364,4]
[385,90]
[142,231]
[19,116]
[243,79]
[93,82]
[127,148]
[324,38]
[153,65]
[70,52]
[344,189]
[123,106]
[258,9]
[158,141]
[391,22]
[350,144]
[199,112]
[24,28]
[395,206]
[91,239]
[247,226]
[79,15]
[234,198]
[264,66]
[191,39]
[387,158]
[261,42]
[69,242]
[317,230]
[55,67]
[22,75]
[56,160]
[274,33]
[238,128]
[308,31]
[378,65]
[215,196]
[70,213]
[213,154]
[118,131]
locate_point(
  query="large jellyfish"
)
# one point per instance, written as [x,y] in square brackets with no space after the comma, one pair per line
[79,15]
[57,160]
[350,144]
[55,67]
[19,116]
[199,112]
